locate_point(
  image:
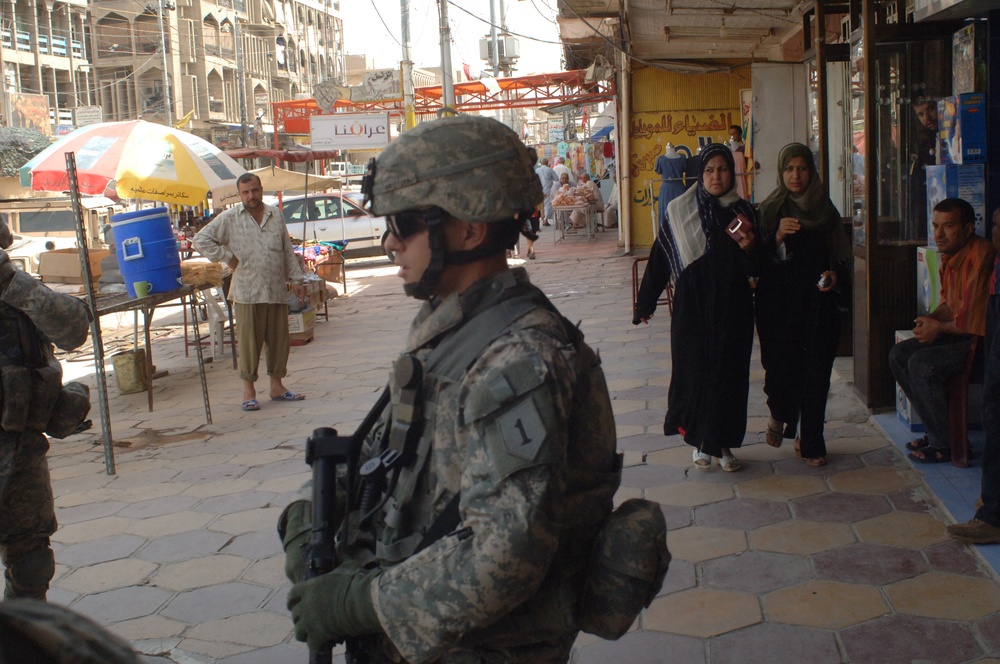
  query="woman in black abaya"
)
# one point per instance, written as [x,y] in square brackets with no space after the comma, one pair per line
[711,334]
[806,268]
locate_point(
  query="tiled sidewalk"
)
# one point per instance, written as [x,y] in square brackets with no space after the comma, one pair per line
[777,563]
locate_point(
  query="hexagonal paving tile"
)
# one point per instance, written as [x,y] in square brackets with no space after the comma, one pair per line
[914,531]
[99,550]
[989,628]
[775,644]
[148,627]
[680,577]
[122,604]
[899,639]
[754,572]
[269,572]
[946,596]
[741,514]
[248,521]
[90,530]
[697,543]
[873,480]
[644,477]
[781,487]
[954,556]
[702,612]
[688,494]
[678,456]
[801,537]
[218,601]
[184,546]
[824,604]
[170,524]
[643,648]
[870,564]
[106,576]
[200,572]
[841,507]
[259,629]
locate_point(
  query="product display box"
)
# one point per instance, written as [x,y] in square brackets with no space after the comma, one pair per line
[302,321]
[968,59]
[928,280]
[967,182]
[63,265]
[904,410]
[962,129]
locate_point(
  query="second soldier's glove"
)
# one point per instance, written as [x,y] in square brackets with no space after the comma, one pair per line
[294,529]
[333,606]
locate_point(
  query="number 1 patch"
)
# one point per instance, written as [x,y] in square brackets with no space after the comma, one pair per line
[523,430]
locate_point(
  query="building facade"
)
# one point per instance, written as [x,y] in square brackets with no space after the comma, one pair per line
[214,64]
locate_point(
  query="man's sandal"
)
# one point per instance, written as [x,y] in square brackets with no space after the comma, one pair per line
[773,435]
[931,455]
[918,444]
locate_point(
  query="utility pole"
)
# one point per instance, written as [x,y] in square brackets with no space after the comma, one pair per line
[241,82]
[410,116]
[447,81]
[167,110]
[493,39]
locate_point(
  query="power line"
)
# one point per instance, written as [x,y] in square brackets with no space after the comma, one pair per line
[509,32]
[377,13]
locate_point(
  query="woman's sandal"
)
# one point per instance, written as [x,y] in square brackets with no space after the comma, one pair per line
[702,461]
[812,462]
[730,464]
[773,435]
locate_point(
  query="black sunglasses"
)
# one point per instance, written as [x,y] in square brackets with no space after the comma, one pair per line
[410,222]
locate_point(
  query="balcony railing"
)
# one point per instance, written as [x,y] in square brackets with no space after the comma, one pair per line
[77,49]
[23,41]
[59,46]
[43,44]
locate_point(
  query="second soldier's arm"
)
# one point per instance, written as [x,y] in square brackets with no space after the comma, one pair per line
[63,319]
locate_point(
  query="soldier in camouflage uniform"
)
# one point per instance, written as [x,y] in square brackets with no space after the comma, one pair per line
[33,401]
[38,632]
[509,419]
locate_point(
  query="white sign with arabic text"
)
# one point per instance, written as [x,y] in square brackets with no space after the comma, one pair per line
[341,131]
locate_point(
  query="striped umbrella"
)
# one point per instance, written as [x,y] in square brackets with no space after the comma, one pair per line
[149,162]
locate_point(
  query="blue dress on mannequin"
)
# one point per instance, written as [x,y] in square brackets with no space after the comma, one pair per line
[671,170]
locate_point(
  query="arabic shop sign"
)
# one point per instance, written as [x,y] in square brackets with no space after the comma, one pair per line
[341,131]
[688,124]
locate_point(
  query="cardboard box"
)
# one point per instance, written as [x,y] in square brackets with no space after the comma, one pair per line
[928,281]
[300,338]
[967,182]
[303,321]
[968,59]
[904,409]
[63,265]
[962,129]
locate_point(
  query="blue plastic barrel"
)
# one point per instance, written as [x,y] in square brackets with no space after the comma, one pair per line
[147,250]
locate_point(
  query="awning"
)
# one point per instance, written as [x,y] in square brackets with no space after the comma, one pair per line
[602,133]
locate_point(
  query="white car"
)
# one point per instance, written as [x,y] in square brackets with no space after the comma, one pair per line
[25,250]
[333,217]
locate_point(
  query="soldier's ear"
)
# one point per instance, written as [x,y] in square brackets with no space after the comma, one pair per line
[465,235]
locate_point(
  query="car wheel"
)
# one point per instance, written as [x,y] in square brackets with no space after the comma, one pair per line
[388,252]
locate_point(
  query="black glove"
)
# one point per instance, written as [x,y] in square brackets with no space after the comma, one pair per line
[294,528]
[333,606]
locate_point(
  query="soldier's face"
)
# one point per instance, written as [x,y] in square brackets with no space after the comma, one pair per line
[412,254]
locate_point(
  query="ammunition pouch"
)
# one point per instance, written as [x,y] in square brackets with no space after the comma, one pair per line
[626,570]
[36,400]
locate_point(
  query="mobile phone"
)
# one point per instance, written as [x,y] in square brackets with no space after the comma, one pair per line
[734,228]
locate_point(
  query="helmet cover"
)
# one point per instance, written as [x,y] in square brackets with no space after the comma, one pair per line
[474,168]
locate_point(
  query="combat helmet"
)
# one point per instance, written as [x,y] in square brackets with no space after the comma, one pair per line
[472,168]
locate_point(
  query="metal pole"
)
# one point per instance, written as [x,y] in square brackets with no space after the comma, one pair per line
[409,102]
[241,83]
[447,81]
[167,110]
[493,38]
[95,323]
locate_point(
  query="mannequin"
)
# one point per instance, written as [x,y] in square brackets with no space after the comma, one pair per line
[670,166]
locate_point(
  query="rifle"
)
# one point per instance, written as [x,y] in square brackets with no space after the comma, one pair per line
[326,453]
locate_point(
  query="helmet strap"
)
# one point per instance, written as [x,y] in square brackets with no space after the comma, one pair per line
[424,289]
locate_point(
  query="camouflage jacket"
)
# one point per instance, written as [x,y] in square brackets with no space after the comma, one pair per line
[527,435]
[60,319]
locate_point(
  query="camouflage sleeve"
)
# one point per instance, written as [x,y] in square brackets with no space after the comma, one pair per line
[510,433]
[63,319]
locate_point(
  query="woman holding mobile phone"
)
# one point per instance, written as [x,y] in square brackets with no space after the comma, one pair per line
[706,245]
[806,266]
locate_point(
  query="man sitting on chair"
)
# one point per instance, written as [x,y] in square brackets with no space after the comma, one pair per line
[940,347]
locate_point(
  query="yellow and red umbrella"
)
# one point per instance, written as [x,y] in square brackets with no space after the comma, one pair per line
[148,161]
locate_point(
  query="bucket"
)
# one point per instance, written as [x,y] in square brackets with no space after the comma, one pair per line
[130,370]
[147,250]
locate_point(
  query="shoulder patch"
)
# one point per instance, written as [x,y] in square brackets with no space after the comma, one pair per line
[523,430]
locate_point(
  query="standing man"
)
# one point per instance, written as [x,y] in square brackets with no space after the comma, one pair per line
[562,169]
[547,177]
[33,402]
[252,240]
[507,440]
[940,347]
[984,528]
